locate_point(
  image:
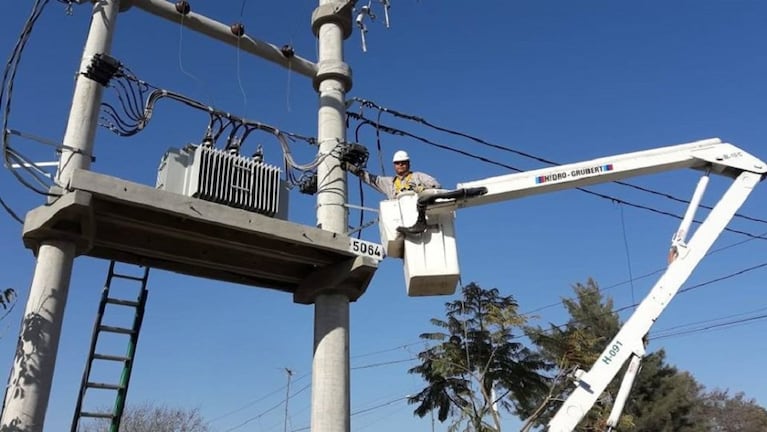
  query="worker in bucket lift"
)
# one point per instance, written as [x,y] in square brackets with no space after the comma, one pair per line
[404,179]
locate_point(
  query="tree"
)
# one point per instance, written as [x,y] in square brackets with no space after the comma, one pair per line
[574,345]
[724,413]
[149,417]
[478,363]
[662,398]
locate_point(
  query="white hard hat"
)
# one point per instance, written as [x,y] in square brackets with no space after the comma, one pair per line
[400,155]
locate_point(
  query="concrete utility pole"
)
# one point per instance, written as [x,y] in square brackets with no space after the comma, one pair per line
[331,23]
[29,386]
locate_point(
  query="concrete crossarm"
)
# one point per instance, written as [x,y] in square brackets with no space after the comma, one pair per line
[223,33]
[110,218]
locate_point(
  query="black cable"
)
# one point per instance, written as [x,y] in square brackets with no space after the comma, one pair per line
[6,96]
[628,254]
[362,411]
[359,184]
[668,330]
[267,411]
[729,276]
[644,276]
[386,363]
[398,132]
[418,119]
[378,143]
[684,290]
[10,211]
[713,326]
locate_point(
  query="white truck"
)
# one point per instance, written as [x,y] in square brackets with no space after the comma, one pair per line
[420,230]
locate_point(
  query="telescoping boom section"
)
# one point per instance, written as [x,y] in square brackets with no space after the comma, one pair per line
[420,230]
[707,155]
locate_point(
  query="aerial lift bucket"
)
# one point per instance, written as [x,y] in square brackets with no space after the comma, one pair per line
[431,257]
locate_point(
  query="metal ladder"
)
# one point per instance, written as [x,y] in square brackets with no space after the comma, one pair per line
[109,303]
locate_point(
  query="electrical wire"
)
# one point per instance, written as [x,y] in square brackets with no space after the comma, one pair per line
[727,324]
[397,348]
[6,97]
[181,63]
[364,410]
[130,117]
[255,401]
[681,291]
[669,330]
[644,276]
[270,409]
[371,104]
[363,366]
[398,132]
[628,253]
[239,71]
[386,363]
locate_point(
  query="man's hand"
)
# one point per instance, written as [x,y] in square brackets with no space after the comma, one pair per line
[354,169]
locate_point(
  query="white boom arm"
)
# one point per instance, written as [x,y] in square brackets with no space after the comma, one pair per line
[707,155]
[623,391]
[628,341]
[710,154]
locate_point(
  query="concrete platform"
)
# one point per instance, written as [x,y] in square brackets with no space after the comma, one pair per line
[113,219]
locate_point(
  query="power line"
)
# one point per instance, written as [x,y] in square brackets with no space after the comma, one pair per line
[6,92]
[398,132]
[362,411]
[364,366]
[398,347]
[385,404]
[714,326]
[668,330]
[270,409]
[688,289]
[421,120]
[646,275]
[255,401]
[386,363]
[729,276]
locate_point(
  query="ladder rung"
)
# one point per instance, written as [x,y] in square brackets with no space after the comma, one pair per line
[122,302]
[116,330]
[104,386]
[123,276]
[97,415]
[110,357]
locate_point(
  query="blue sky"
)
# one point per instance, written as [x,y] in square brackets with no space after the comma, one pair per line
[566,81]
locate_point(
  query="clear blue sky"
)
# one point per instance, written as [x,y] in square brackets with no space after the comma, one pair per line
[567,81]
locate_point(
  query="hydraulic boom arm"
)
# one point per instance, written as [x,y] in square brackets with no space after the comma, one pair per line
[708,156]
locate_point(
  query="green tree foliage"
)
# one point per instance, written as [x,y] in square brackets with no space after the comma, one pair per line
[721,412]
[477,362]
[576,344]
[662,398]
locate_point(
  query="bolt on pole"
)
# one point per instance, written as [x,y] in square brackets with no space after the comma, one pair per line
[29,386]
[331,23]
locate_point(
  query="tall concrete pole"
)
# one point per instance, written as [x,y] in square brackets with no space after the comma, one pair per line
[29,386]
[331,23]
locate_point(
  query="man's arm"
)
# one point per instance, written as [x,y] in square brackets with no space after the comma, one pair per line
[426,181]
[382,184]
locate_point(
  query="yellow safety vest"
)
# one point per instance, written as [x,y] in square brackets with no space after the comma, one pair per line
[402,184]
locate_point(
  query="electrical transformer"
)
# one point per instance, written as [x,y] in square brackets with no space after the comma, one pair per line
[219,176]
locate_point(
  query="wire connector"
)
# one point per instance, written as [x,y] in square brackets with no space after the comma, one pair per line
[102,69]
[307,184]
